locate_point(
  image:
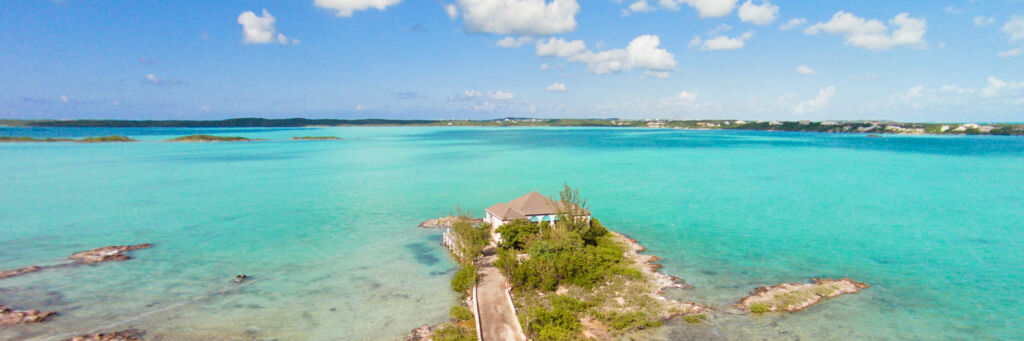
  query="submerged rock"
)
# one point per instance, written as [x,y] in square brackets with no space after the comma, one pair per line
[793,297]
[420,334]
[19,272]
[446,222]
[124,335]
[9,317]
[107,254]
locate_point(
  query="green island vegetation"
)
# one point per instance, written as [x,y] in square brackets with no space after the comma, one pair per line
[101,139]
[210,138]
[861,126]
[574,278]
[316,138]
[472,240]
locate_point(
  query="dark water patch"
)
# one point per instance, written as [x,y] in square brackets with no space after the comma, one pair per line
[980,241]
[709,272]
[423,253]
[443,273]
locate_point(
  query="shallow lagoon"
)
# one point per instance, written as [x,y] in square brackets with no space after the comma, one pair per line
[327,228]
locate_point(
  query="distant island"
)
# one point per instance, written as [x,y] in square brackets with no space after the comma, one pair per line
[101,139]
[211,138]
[863,126]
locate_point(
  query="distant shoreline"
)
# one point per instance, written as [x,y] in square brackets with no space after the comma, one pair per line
[860,126]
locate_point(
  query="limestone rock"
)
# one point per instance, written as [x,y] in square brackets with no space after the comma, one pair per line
[124,335]
[106,254]
[793,297]
[19,272]
[10,317]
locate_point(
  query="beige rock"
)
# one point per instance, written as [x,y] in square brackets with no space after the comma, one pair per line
[107,254]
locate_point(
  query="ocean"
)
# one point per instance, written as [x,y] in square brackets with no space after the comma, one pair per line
[327,230]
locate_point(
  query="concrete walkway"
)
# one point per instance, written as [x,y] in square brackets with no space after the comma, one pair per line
[497,317]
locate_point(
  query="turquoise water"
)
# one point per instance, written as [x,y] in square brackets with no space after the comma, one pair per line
[327,229]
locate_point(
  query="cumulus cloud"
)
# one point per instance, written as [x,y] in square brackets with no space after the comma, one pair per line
[519,17]
[1015,52]
[722,42]
[452,11]
[873,34]
[154,80]
[815,104]
[763,14]
[556,87]
[511,42]
[641,53]
[64,99]
[1014,28]
[361,107]
[705,8]
[261,29]
[500,95]
[793,23]
[687,96]
[345,8]
[471,93]
[997,87]
[805,70]
[982,20]
[657,74]
[558,47]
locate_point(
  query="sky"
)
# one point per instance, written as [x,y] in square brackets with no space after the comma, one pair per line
[949,61]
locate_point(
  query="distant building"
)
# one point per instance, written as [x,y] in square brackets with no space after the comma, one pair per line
[774,123]
[805,122]
[533,206]
[829,123]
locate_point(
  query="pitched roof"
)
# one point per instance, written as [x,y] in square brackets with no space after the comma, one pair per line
[532,203]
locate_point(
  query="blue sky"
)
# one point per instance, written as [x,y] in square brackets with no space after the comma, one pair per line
[676,59]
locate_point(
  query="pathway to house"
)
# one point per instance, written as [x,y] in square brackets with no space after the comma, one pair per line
[497,317]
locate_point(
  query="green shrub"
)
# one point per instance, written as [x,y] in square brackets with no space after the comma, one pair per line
[460,313]
[592,234]
[465,279]
[628,321]
[556,324]
[516,233]
[449,332]
[473,238]
[758,308]
[694,318]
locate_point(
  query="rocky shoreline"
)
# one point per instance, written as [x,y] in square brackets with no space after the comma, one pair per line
[10,317]
[124,335]
[659,280]
[794,297]
[446,222]
[19,272]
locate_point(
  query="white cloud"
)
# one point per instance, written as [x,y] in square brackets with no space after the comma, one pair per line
[805,70]
[982,20]
[722,42]
[1015,28]
[658,74]
[545,66]
[510,42]
[641,53]
[556,87]
[361,107]
[763,14]
[687,96]
[154,80]
[558,47]
[519,17]
[640,6]
[261,30]
[453,12]
[793,23]
[1015,52]
[345,8]
[705,8]
[500,95]
[873,34]
[815,104]
[64,99]
[471,93]
[997,87]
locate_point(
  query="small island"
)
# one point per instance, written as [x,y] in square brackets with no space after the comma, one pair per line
[793,297]
[545,269]
[211,138]
[9,317]
[315,138]
[107,254]
[100,139]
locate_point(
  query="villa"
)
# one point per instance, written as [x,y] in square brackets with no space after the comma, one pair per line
[533,206]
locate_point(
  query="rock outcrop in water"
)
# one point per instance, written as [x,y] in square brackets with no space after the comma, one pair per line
[420,334]
[19,272]
[793,297]
[124,335]
[10,317]
[107,254]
